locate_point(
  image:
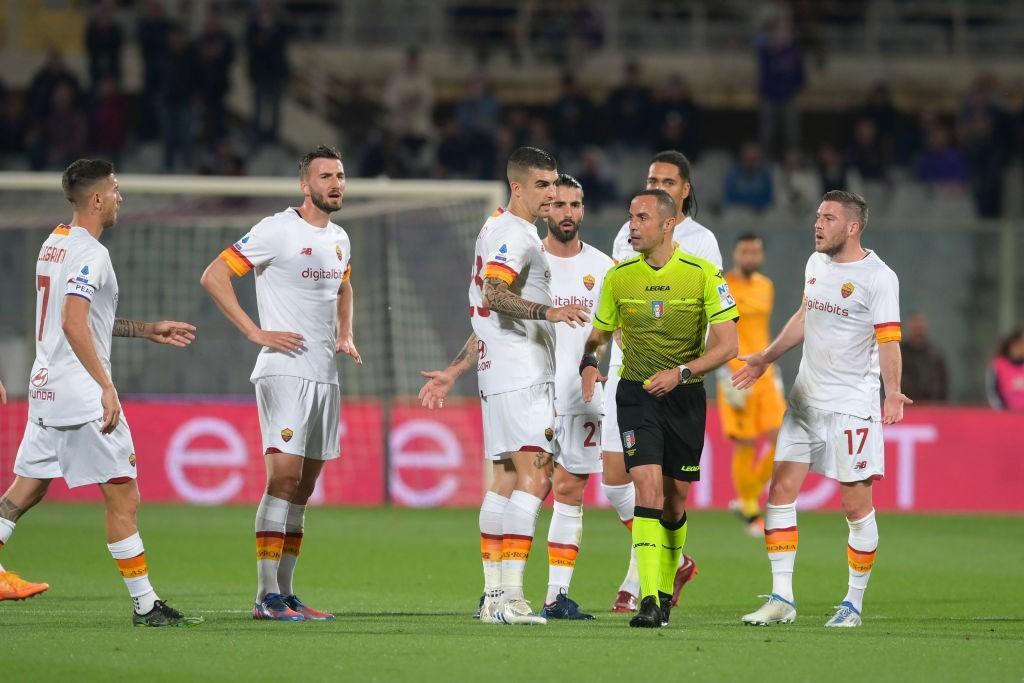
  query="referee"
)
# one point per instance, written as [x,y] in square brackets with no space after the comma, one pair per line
[664,300]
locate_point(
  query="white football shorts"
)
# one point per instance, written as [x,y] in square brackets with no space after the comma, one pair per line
[80,454]
[520,420]
[836,445]
[577,443]
[611,438]
[299,416]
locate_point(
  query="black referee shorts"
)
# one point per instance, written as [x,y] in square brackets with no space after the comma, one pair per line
[667,431]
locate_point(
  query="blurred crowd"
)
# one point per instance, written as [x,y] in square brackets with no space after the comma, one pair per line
[400,128]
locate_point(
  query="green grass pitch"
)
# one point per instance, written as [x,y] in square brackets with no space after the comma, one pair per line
[946,603]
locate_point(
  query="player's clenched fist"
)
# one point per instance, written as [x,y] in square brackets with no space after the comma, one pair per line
[573,315]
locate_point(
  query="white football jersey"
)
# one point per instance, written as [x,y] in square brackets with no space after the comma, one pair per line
[691,236]
[71,262]
[514,353]
[851,308]
[576,280]
[299,268]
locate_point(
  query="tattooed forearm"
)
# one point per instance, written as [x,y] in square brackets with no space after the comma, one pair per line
[468,356]
[501,299]
[10,511]
[129,328]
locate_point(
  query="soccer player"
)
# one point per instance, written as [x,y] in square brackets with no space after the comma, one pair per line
[302,268]
[513,350]
[577,273]
[750,415]
[75,428]
[664,300]
[849,323]
[669,171]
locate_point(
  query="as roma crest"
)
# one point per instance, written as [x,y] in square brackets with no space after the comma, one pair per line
[589,281]
[287,434]
[337,250]
[847,289]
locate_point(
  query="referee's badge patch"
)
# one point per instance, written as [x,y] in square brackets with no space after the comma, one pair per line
[725,296]
[628,439]
[657,309]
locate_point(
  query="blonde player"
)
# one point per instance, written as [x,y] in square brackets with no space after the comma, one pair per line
[577,273]
[513,349]
[302,265]
[75,428]
[849,323]
[669,171]
[752,415]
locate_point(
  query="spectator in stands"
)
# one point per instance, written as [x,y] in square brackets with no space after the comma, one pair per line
[942,163]
[924,365]
[984,128]
[103,42]
[108,120]
[266,42]
[630,111]
[478,111]
[748,184]
[453,151]
[881,111]
[223,159]
[384,157]
[1005,380]
[178,100]
[831,168]
[781,69]
[45,82]
[797,184]
[357,114]
[12,123]
[64,134]
[409,102]
[215,52]
[598,183]
[572,116]
[866,154]
[672,133]
[676,101]
[151,34]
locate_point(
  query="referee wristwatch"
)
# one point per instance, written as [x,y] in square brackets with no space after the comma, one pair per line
[684,373]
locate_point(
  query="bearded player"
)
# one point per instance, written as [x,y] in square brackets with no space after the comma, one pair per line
[302,266]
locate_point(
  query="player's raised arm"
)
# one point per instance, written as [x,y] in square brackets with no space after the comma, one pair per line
[346,312]
[216,280]
[498,297]
[75,315]
[170,332]
[791,335]
[890,358]
[440,382]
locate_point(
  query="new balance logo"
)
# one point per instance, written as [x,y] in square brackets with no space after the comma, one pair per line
[307,251]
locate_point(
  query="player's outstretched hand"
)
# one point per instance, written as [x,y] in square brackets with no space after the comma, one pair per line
[285,342]
[111,409]
[590,377]
[745,377]
[3,393]
[892,408]
[573,315]
[661,383]
[347,345]
[439,383]
[171,332]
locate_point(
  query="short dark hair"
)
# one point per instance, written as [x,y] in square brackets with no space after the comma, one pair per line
[850,200]
[566,180]
[524,159]
[321,152]
[666,205]
[679,160]
[81,175]
[748,237]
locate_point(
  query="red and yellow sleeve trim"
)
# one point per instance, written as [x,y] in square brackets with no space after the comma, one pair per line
[500,271]
[888,332]
[62,230]
[236,261]
[348,273]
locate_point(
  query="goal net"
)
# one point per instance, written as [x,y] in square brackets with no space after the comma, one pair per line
[412,245]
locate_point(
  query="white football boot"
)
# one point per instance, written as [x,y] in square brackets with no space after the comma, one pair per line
[518,611]
[777,610]
[846,616]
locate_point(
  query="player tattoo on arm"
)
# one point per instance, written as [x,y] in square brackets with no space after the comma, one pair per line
[129,328]
[501,299]
[10,511]
[468,356]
